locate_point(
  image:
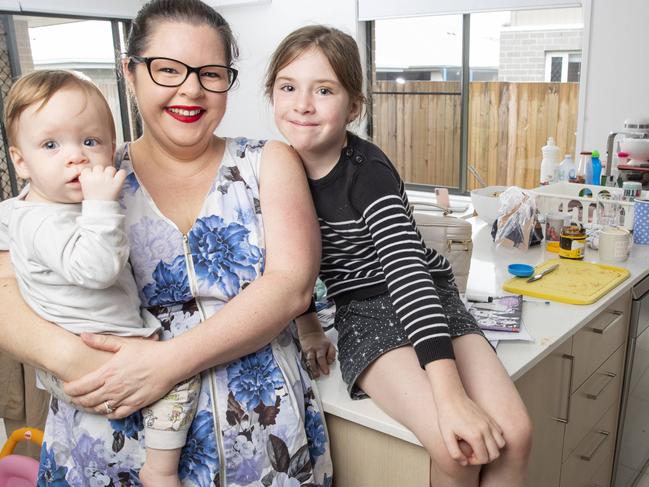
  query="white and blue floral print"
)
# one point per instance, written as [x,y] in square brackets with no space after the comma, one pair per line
[222,254]
[258,421]
[170,284]
[256,379]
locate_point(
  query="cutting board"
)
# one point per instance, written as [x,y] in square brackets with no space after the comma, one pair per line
[574,282]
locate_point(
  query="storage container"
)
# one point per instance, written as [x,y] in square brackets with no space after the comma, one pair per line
[580,200]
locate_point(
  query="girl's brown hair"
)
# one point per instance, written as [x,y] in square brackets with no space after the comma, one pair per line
[339,48]
[39,87]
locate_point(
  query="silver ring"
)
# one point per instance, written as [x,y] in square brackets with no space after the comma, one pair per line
[108,407]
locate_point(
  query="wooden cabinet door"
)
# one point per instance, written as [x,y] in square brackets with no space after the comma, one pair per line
[545,390]
[363,457]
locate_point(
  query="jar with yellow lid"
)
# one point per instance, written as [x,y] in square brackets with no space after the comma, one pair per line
[572,242]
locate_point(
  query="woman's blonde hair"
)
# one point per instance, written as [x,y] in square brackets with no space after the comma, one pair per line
[339,48]
[39,87]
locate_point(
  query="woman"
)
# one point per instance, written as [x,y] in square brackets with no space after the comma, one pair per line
[194,204]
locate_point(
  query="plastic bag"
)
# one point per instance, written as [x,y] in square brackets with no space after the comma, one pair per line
[517,225]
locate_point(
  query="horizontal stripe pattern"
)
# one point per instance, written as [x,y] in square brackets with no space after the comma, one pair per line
[384,248]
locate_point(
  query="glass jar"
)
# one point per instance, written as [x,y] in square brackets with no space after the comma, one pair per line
[582,167]
[572,242]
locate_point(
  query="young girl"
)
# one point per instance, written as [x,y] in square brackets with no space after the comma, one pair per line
[405,338]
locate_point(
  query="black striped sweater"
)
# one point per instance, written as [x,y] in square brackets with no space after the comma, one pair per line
[371,246]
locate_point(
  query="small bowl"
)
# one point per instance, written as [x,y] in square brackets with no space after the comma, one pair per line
[520,270]
[486,202]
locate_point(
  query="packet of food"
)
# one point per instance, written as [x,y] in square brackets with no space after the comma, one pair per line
[517,225]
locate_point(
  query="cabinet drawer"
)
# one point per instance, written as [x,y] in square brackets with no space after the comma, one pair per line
[595,396]
[594,454]
[602,477]
[544,390]
[596,341]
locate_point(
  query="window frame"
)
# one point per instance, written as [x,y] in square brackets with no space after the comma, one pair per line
[446,7]
[565,60]
[130,126]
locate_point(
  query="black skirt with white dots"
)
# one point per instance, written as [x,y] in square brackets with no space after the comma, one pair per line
[369,328]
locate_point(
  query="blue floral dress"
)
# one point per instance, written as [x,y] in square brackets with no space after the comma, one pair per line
[259,421]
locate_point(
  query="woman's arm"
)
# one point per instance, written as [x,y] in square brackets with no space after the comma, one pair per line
[142,372]
[37,342]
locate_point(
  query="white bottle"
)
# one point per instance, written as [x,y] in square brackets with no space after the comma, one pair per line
[550,162]
[567,170]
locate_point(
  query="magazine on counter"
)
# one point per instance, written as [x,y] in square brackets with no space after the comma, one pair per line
[504,313]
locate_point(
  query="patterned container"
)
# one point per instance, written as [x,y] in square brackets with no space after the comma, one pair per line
[641,222]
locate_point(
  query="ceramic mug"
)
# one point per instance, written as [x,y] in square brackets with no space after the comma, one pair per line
[614,244]
[641,221]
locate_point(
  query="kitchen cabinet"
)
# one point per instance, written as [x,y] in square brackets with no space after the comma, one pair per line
[364,457]
[573,399]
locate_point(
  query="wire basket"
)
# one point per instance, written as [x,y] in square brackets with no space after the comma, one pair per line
[585,202]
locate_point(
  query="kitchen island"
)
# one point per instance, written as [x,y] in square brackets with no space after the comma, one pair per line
[370,448]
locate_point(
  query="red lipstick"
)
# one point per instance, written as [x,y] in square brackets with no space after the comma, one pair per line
[185,114]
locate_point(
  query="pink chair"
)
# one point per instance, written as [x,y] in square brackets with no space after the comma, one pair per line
[17,470]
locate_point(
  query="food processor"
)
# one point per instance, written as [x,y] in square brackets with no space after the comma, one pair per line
[635,142]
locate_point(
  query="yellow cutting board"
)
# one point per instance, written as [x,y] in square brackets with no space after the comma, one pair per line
[574,282]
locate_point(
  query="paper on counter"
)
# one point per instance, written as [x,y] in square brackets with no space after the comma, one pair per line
[522,335]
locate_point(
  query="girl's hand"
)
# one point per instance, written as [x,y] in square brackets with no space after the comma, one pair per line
[139,373]
[319,352]
[471,436]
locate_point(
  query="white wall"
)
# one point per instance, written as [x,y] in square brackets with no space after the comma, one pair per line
[259,29]
[618,68]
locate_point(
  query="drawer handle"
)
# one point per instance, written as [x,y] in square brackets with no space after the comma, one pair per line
[604,435]
[611,376]
[571,359]
[618,316]
[465,245]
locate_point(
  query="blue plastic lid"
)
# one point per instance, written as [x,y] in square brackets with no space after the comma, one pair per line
[520,270]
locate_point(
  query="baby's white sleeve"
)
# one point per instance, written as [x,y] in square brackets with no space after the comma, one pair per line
[6,207]
[89,252]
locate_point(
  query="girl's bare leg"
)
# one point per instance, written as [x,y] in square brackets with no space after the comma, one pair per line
[486,382]
[400,387]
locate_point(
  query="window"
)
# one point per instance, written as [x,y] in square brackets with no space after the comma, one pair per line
[442,121]
[563,67]
[41,42]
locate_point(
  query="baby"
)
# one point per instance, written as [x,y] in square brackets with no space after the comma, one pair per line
[67,239]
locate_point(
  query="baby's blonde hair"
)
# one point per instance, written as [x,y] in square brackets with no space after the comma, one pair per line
[39,87]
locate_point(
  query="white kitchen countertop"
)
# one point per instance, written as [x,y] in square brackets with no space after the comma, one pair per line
[550,325]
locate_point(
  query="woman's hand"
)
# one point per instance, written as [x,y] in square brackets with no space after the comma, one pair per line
[319,352]
[139,373]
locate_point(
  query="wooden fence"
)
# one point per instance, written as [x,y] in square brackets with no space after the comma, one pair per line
[417,124]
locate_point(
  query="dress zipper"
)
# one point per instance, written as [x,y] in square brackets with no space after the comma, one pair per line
[193,288]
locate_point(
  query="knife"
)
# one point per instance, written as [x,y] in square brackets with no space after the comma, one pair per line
[538,276]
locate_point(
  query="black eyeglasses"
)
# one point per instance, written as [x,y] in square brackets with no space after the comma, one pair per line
[171,73]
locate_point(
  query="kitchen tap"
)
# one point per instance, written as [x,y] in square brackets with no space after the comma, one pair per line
[609,146]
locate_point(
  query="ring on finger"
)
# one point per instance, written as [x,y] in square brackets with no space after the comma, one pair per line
[109,409]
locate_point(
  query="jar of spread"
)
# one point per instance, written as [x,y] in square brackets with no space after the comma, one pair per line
[572,242]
